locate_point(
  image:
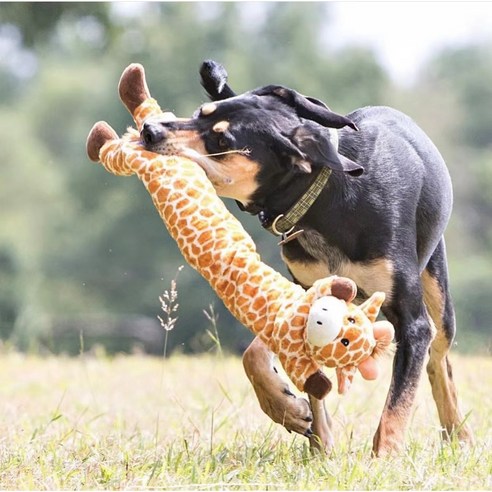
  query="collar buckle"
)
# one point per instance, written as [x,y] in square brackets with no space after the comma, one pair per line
[274,229]
[286,237]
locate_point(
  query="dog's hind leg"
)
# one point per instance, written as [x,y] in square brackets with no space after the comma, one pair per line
[273,393]
[440,308]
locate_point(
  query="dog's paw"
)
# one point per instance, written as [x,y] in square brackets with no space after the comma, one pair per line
[273,393]
[286,409]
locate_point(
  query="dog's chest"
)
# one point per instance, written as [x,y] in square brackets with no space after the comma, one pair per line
[312,258]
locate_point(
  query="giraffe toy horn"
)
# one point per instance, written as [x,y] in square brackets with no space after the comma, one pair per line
[100,133]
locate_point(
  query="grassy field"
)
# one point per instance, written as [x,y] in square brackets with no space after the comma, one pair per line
[192,423]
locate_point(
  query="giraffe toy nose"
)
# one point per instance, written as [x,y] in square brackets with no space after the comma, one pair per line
[152,133]
[325,320]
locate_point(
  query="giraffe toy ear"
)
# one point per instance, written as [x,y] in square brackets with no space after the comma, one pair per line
[372,306]
[383,333]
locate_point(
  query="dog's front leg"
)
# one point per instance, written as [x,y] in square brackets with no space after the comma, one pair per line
[413,333]
[273,393]
[322,438]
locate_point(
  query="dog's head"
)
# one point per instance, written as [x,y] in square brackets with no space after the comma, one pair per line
[250,142]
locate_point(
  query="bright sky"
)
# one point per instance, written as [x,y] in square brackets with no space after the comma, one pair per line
[404,34]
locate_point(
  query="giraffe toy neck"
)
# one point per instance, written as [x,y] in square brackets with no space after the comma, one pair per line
[210,239]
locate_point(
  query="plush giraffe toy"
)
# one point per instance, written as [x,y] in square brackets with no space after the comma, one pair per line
[306,329]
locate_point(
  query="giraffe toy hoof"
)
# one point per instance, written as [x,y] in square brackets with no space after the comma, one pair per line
[100,133]
[318,385]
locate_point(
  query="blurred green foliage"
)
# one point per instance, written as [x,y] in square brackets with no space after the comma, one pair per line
[84,255]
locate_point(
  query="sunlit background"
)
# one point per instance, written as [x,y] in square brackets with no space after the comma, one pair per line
[84,256]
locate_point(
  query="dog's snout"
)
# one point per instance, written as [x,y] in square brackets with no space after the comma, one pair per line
[153,133]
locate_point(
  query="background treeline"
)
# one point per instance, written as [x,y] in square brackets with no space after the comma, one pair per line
[84,255]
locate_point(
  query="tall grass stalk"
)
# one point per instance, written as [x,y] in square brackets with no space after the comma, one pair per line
[169,306]
[213,317]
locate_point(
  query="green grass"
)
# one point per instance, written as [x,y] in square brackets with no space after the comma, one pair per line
[192,423]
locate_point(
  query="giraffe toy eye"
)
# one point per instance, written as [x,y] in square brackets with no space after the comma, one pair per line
[345,342]
[351,320]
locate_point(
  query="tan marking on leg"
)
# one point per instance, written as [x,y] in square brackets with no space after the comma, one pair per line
[390,435]
[433,298]
[439,368]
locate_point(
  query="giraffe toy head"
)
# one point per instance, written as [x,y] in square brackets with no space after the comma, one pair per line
[343,335]
[338,333]
[284,315]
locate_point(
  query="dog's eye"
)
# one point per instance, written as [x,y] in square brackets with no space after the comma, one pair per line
[223,143]
[345,342]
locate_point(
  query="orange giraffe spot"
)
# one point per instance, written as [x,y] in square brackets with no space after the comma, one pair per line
[298,321]
[259,303]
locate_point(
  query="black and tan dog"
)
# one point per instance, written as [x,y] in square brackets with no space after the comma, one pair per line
[366,196]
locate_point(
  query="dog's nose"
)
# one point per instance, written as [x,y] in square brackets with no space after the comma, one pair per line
[152,133]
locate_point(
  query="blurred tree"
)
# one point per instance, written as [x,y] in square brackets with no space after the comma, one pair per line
[39,21]
[462,73]
[9,303]
[80,244]
[467,71]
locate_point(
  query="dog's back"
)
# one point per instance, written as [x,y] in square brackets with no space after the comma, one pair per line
[417,188]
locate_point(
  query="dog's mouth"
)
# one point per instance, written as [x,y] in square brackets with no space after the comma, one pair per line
[210,166]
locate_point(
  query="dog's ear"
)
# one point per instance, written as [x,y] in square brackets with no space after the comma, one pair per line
[307,107]
[214,80]
[315,143]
